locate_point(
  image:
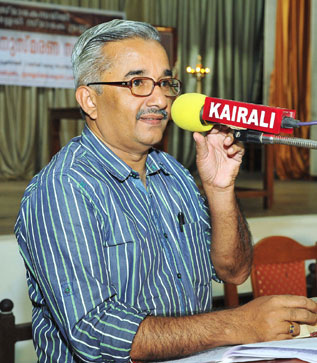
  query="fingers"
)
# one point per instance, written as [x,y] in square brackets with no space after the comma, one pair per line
[235,149]
[301,315]
[289,331]
[201,145]
[226,139]
[229,142]
[298,309]
[280,317]
[292,329]
[294,301]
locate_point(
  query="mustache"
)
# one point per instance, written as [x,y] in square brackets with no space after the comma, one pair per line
[152,111]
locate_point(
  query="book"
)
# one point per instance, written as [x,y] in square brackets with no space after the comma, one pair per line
[303,349]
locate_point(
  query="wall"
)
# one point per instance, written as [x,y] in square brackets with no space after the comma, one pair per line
[13,286]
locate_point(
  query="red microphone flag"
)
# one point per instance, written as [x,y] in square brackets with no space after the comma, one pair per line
[246,115]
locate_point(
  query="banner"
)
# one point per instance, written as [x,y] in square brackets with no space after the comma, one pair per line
[36,42]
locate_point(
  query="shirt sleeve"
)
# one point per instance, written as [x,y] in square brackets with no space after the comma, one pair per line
[65,234]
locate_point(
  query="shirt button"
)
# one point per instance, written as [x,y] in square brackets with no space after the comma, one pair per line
[165,235]
[179,275]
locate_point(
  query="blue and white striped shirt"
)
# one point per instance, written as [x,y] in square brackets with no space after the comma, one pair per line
[102,252]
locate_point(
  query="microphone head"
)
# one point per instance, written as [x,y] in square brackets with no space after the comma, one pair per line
[186,111]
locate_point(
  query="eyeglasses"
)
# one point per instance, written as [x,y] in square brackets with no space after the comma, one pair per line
[144,86]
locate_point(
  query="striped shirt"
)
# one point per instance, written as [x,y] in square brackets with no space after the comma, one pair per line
[102,251]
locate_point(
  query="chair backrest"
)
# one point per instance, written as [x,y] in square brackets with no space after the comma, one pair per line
[279,266]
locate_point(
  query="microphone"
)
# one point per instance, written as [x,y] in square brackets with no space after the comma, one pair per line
[250,122]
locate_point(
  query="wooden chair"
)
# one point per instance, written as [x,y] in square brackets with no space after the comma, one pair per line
[10,333]
[278,268]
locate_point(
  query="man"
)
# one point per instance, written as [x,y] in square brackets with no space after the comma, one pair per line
[116,239]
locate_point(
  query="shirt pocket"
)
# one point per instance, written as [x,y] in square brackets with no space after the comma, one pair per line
[195,244]
[125,251]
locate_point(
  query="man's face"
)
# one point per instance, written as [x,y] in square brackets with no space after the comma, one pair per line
[124,122]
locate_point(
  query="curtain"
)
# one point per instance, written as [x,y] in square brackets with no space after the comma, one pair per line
[227,34]
[313,130]
[290,83]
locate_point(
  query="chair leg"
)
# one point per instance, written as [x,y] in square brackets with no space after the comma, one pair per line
[231,295]
[314,289]
[7,330]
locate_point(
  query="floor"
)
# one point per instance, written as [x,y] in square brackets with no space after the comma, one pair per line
[290,197]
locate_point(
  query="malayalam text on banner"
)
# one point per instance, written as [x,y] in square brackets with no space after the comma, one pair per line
[36,42]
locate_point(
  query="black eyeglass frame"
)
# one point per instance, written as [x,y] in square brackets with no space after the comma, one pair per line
[128,84]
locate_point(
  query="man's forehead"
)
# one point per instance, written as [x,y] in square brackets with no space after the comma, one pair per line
[142,72]
[138,45]
[137,56]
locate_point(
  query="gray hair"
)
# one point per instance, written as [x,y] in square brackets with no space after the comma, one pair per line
[88,60]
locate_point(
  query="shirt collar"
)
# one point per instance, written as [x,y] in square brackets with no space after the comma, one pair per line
[113,164]
[155,162]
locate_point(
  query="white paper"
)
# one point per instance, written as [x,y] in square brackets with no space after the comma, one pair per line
[304,349]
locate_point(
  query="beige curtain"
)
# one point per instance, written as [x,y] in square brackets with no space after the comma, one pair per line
[227,34]
[290,83]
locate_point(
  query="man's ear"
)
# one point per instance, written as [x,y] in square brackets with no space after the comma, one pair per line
[87,98]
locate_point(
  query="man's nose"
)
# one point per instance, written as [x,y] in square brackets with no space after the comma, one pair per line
[158,98]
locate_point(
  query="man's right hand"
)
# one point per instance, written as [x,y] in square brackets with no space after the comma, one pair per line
[263,319]
[270,317]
